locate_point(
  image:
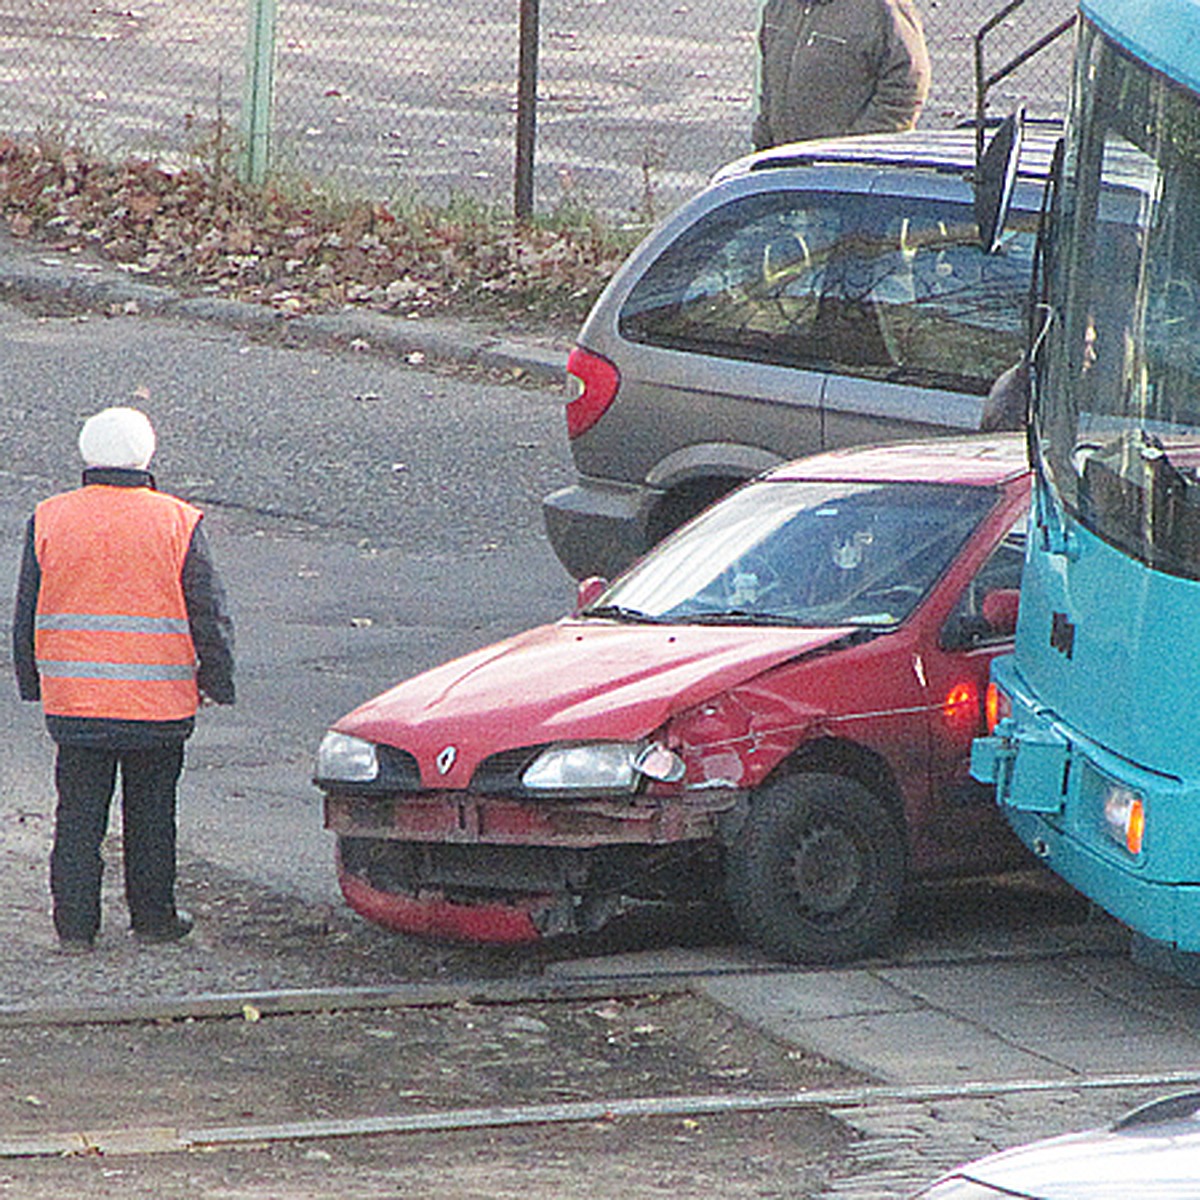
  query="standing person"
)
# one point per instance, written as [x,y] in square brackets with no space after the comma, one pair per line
[120,628]
[830,67]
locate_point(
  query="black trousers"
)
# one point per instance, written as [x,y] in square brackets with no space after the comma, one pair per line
[85,778]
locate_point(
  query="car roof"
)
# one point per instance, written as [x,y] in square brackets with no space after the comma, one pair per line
[977,461]
[948,151]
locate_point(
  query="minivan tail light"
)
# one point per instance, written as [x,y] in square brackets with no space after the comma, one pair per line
[598,381]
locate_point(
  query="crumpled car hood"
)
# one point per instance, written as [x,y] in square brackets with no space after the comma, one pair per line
[574,680]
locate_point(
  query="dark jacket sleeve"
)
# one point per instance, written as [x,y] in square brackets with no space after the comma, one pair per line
[902,83]
[29,584]
[761,135]
[211,625]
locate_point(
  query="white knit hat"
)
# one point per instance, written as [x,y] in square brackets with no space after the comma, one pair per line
[117,437]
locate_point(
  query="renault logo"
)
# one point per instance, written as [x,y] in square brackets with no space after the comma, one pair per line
[445,760]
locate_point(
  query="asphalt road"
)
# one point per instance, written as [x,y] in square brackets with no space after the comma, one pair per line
[370,519]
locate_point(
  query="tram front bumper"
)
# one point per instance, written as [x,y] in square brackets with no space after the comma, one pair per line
[1118,833]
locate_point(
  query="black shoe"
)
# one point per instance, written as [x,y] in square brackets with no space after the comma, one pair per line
[179,927]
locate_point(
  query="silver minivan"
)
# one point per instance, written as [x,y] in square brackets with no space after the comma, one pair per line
[813,296]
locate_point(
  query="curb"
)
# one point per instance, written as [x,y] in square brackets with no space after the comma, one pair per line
[27,274]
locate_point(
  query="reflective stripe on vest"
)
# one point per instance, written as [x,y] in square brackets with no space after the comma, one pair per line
[111,630]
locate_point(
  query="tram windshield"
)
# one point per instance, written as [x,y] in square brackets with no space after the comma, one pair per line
[1117,379]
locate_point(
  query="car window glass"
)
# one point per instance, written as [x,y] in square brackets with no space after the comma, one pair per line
[892,288]
[804,553]
[744,281]
[966,626]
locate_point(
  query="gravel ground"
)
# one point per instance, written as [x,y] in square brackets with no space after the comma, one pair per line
[262,1070]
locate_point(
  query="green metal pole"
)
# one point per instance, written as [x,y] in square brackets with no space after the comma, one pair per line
[258,92]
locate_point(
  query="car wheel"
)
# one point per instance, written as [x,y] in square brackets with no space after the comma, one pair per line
[816,872]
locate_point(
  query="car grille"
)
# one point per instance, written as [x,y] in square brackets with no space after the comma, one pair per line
[500,774]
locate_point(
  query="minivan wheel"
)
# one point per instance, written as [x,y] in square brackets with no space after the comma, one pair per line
[683,503]
[817,870]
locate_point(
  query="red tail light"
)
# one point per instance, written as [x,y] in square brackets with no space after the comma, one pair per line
[598,381]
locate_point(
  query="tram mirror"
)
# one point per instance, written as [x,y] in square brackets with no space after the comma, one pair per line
[995,177]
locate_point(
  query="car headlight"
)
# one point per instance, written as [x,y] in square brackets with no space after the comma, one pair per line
[601,767]
[351,759]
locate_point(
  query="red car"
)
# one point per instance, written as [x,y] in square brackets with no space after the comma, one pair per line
[777,701]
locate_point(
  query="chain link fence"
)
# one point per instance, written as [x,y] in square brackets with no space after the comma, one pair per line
[637,103]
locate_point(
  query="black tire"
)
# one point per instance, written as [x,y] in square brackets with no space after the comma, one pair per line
[817,870]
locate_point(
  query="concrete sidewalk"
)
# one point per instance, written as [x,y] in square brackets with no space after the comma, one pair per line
[1062,1004]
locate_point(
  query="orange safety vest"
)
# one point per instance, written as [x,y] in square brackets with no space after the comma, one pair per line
[111,634]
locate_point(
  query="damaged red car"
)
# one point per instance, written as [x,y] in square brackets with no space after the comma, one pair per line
[776,703]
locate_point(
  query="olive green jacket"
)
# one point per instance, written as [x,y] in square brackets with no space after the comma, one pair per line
[832,67]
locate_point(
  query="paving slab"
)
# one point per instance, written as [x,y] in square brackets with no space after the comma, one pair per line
[1054,1009]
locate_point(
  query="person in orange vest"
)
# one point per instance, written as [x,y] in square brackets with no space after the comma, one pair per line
[120,630]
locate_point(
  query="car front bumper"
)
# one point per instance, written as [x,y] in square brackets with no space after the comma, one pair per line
[433,915]
[464,867]
[463,818]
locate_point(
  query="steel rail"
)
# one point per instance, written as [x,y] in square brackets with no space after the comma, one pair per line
[524,990]
[159,1139]
[302,1001]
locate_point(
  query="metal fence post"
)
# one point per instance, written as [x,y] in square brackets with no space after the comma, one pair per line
[527,73]
[258,91]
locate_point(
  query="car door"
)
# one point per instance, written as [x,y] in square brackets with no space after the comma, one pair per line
[962,827]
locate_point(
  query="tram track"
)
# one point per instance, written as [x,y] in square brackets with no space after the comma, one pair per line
[256,1005]
[165,1138]
[427,994]
[154,1137]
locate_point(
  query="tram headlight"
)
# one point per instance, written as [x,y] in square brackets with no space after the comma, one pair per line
[1124,817]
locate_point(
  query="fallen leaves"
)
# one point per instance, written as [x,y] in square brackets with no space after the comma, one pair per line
[297,251]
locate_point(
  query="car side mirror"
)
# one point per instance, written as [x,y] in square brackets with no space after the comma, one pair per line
[589,591]
[996,621]
[1000,610]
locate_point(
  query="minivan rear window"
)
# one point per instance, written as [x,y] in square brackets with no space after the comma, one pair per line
[892,288]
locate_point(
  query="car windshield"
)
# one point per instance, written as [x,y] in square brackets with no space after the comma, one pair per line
[813,553]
